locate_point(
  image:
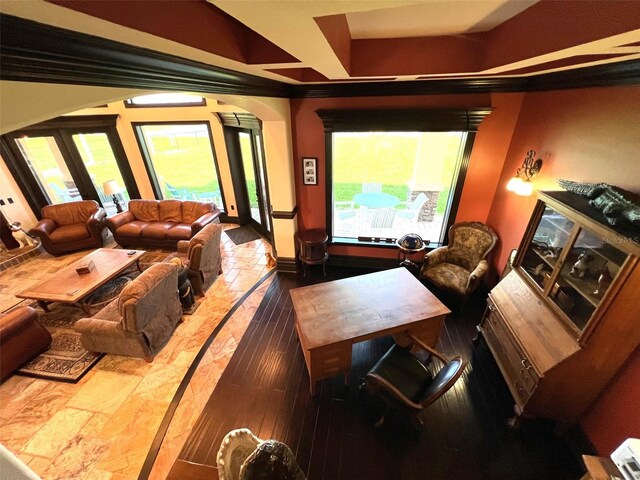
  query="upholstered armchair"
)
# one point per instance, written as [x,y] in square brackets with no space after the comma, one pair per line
[460,266]
[71,226]
[141,320]
[201,255]
[21,339]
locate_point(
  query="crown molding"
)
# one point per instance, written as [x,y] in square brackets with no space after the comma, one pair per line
[35,52]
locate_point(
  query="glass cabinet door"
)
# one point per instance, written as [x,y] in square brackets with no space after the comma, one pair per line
[585,276]
[546,247]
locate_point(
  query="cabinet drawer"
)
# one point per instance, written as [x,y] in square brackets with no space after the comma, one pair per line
[515,366]
[517,359]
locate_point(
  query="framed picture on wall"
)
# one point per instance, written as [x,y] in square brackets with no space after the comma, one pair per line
[309,171]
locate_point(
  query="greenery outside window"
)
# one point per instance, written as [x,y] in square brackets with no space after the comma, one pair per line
[180,161]
[390,173]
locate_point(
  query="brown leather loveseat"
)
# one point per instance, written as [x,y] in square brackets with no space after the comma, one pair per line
[160,223]
[71,226]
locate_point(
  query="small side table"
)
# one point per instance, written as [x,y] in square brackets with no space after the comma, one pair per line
[313,249]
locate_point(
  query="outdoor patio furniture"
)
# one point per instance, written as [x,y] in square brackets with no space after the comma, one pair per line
[177,193]
[371,187]
[376,200]
[382,218]
[413,208]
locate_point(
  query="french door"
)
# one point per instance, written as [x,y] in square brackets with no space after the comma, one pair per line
[70,159]
[246,157]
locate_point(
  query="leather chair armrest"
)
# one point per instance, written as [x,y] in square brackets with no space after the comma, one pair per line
[183,246]
[12,323]
[119,219]
[44,228]
[391,388]
[476,275]
[204,220]
[98,217]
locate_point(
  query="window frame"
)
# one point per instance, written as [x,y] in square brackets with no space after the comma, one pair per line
[129,104]
[148,162]
[400,120]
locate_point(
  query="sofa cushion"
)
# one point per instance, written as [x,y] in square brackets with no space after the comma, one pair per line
[132,229]
[157,230]
[170,211]
[145,210]
[191,211]
[181,231]
[69,233]
[71,212]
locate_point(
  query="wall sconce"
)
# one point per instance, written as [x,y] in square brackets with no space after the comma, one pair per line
[521,184]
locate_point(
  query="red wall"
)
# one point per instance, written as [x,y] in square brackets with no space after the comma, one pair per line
[586,135]
[485,165]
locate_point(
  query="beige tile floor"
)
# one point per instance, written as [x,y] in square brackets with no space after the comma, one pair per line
[102,427]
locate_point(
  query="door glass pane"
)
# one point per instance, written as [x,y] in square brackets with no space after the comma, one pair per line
[182,158]
[47,164]
[249,175]
[549,240]
[97,155]
[587,273]
[263,183]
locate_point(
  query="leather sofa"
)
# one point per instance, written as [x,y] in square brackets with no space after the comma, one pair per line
[160,223]
[71,226]
[21,339]
[201,255]
[140,322]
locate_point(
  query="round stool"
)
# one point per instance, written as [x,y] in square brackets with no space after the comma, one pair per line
[313,249]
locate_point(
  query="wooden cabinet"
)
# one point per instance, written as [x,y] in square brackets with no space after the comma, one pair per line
[563,322]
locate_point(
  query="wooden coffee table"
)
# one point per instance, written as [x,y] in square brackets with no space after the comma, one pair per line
[67,286]
[330,317]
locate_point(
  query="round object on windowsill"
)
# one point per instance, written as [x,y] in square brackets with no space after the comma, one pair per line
[411,242]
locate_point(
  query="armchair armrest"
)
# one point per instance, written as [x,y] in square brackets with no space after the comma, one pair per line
[477,275]
[438,255]
[12,323]
[97,217]
[183,246]
[98,326]
[440,356]
[118,220]
[205,219]
[394,390]
[44,228]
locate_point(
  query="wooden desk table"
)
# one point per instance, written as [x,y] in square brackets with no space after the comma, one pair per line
[330,317]
[68,286]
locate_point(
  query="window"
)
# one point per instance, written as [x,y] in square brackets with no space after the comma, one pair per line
[390,173]
[165,100]
[180,161]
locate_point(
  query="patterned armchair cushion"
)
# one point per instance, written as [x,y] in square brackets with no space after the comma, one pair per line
[449,276]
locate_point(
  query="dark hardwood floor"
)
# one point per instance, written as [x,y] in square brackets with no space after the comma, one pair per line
[465,436]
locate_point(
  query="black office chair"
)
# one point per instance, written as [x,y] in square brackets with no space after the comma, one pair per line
[403,381]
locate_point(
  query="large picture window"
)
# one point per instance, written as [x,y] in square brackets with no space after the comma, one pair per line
[390,173]
[181,161]
[387,184]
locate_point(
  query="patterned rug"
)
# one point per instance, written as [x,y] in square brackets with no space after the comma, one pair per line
[67,360]
[241,235]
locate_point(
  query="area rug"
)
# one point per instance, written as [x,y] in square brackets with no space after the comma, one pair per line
[66,360]
[242,235]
